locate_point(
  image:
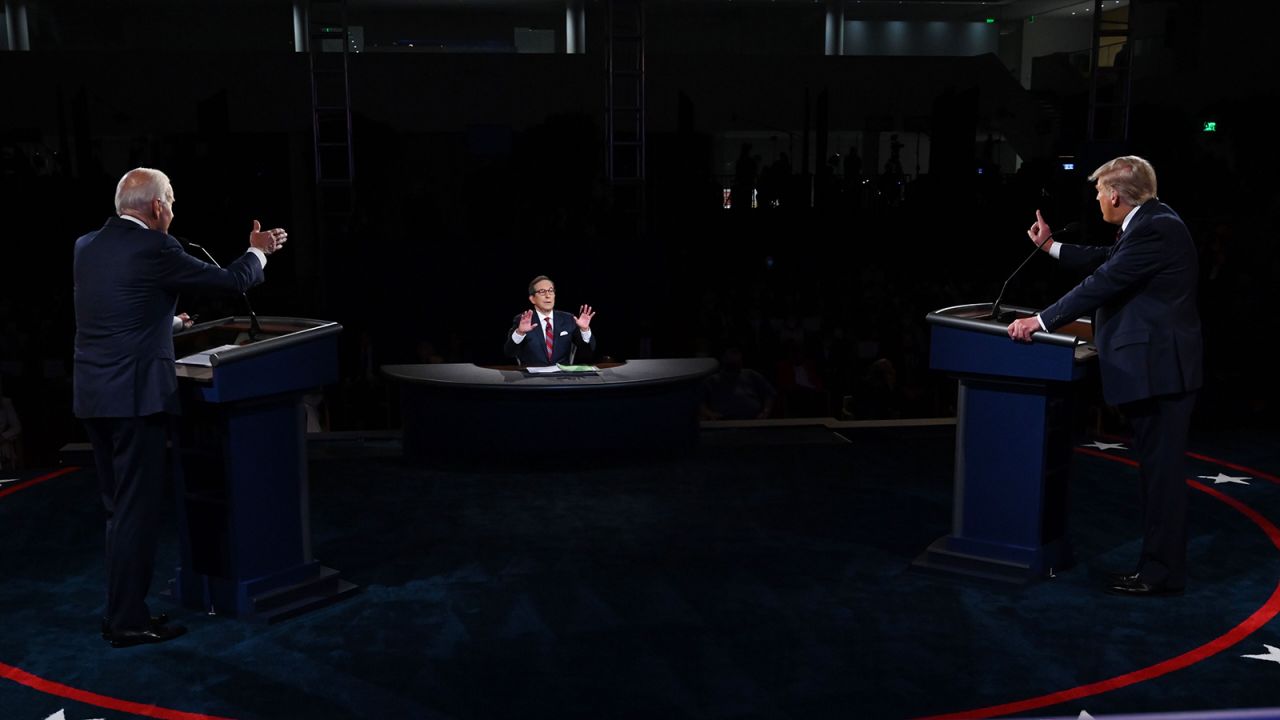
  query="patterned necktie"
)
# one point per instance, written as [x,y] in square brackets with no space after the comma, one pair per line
[551,340]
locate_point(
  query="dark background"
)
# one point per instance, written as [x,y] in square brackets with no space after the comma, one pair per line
[478,167]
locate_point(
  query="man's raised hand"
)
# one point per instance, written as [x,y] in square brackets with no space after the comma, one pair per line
[585,313]
[525,326]
[268,241]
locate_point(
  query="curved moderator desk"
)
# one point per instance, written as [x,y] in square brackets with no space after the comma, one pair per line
[460,407]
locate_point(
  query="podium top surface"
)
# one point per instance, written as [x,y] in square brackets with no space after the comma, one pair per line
[632,373]
[977,318]
[225,340]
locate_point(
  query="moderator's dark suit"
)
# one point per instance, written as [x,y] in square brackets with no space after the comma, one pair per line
[532,352]
[1147,330]
[127,280]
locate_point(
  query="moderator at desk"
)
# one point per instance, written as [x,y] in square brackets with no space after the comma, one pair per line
[465,408]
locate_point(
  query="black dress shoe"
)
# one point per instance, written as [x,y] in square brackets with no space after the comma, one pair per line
[156,622]
[157,634]
[1136,587]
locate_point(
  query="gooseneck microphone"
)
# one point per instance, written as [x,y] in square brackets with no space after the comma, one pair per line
[254,328]
[1008,316]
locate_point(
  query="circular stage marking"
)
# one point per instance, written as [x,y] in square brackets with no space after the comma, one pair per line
[35,682]
[1247,627]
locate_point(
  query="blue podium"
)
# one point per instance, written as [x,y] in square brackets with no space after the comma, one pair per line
[1013,443]
[243,500]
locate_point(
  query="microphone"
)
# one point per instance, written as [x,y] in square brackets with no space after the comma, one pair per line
[995,306]
[254,328]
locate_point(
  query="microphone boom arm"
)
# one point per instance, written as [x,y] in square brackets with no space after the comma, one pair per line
[254,328]
[995,306]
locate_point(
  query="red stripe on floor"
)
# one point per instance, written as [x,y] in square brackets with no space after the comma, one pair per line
[1234,466]
[36,481]
[1242,468]
[1107,456]
[22,677]
[1260,617]
[49,687]
[1254,472]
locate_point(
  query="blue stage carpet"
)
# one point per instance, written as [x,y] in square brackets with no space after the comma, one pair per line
[765,575]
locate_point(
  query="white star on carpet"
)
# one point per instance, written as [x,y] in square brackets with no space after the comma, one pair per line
[1220,478]
[1105,446]
[61,715]
[8,480]
[1273,654]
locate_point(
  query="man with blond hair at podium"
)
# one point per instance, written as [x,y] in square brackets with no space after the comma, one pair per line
[1142,291]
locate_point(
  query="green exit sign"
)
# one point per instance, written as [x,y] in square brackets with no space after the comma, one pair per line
[1210,126]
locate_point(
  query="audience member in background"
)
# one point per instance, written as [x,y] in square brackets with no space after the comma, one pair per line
[735,392]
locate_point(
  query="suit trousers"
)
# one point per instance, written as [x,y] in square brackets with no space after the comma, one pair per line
[130,457]
[1160,426]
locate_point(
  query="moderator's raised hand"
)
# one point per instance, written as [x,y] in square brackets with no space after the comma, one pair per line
[585,313]
[268,241]
[525,326]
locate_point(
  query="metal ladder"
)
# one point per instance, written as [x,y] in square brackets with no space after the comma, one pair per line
[625,111]
[329,50]
[1109,116]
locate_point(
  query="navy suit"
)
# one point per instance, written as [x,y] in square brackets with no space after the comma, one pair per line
[532,351]
[127,280]
[1147,330]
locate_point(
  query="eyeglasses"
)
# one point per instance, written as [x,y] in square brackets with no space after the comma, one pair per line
[545,291]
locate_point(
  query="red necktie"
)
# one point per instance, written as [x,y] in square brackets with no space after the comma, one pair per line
[551,340]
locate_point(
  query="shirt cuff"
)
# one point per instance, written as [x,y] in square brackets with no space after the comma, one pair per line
[262,257]
[1041,321]
[1055,250]
[586,336]
[177,323]
[517,338]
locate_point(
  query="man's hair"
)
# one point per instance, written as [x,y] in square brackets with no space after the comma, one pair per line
[139,187]
[534,282]
[1131,177]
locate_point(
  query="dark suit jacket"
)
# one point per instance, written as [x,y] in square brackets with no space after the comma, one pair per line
[1146,325]
[532,351]
[127,280]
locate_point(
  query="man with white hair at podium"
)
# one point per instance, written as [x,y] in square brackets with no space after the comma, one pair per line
[127,278]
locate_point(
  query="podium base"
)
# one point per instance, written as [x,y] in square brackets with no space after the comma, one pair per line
[292,593]
[941,558]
